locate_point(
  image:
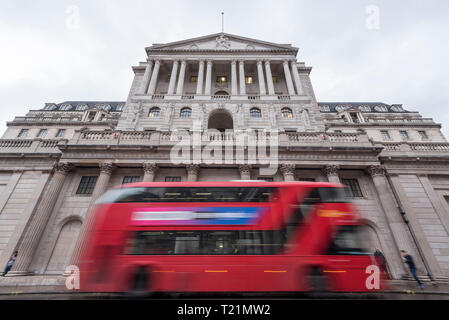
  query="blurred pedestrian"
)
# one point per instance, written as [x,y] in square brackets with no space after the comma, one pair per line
[408,259]
[10,263]
[381,262]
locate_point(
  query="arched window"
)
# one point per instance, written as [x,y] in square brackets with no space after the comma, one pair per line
[154,112]
[255,113]
[287,113]
[185,113]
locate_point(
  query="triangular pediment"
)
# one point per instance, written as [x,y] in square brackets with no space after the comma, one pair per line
[221,41]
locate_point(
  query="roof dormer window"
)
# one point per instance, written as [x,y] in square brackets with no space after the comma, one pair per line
[65,107]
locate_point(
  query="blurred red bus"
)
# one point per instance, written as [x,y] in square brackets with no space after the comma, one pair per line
[225,237]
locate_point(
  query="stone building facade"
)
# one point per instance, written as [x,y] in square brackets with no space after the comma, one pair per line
[57,160]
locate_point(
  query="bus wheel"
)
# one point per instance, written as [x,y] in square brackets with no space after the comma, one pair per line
[139,284]
[318,283]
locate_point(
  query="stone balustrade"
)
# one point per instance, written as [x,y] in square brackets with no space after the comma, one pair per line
[220,97]
[30,145]
[160,138]
[415,147]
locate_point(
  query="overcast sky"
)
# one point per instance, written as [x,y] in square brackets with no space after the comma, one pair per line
[53,51]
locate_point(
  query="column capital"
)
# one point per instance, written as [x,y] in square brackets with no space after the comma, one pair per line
[287,168]
[234,61]
[193,169]
[267,61]
[209,61]
[106,168]
[331,170]
[245,168]
[63,167]
[157,61]
[242,61]
[376,170]
[259,61]
[150,167]
[285,62]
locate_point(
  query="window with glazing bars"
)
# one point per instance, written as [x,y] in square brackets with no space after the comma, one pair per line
[255,113]
[353,188]
[87,185]
[172,179]
[185,113]
[131,179]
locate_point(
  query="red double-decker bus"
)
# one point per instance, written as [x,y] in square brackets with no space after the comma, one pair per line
[225,237]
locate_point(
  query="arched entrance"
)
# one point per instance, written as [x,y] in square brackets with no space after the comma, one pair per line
[220,120]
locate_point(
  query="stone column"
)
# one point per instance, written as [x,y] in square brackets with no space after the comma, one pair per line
[174,73]
[149,169]
[245,172]
[199,85]
[260,76]
[182,74]
[193,171]
[35,230]
[331,172]
[269,78]
[288,79]
[146,78]
[154,76]
[288,170]
[242,77]
[208,78]
[234,77]
[397,226]
[298,84]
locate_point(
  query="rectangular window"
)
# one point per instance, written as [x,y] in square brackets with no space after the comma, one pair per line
[404,135]
[60,133]
[337,131]
[172,179]
[23,133]
[423,135]
[222,79]
[353,188]
[87,185]
[42,133]
[131,179]
[194,79]
[385,135]
[249,80]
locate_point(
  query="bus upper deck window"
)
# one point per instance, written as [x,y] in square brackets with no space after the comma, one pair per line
[325,195]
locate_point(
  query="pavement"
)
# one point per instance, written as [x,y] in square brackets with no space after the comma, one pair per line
[41,286]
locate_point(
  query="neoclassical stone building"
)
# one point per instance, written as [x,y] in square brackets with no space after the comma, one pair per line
[55,161]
